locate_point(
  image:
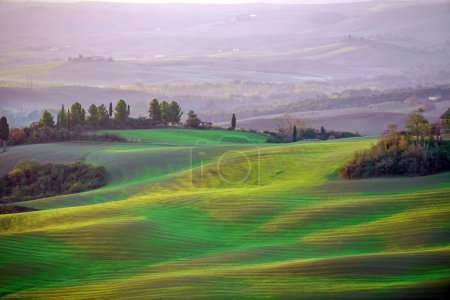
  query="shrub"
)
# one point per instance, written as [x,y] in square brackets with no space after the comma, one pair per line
[31,180]
[12,209]
[398,158]
[35,135]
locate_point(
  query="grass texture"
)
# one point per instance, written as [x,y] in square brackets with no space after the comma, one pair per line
[229,219]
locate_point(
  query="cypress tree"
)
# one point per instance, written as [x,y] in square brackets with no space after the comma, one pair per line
[68,120]
[233,121]
[294,134]
[62,118]
[322,130]
[4,131]
[110,109]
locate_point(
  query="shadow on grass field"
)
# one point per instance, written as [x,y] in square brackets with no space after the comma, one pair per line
[169,226]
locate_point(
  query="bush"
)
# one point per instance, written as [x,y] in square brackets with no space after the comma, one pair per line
[398,158]
[31,180]
[12,209]
[308,134]
[35,135]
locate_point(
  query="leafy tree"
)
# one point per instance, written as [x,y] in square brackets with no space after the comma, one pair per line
[425,130]
[193,120]
[155,111]
[93,114]
[308,133]
[102,113]
[294,134]
[286,125]
[77,114]
[445,120]
[415,121]
[395,155]
[4,132]
[120,113]
[46,120]
[31,180]
[233,121]
[165,112]
[63,118]
[110,110]
[323,133]
[175,113]
[391,136]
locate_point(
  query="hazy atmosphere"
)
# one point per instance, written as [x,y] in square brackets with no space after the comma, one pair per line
[281,149]
[218,58]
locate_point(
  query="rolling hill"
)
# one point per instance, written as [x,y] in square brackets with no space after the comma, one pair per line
[226,220]
[179,43]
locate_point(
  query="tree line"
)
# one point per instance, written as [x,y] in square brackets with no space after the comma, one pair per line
[291,129]
[101,116]
[420,150]
[325,98]
[160,114]
[73,122]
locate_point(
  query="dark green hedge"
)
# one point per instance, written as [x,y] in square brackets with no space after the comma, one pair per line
[32,180]
[404,158]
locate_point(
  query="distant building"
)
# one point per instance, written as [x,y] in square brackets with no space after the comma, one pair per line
[434,98]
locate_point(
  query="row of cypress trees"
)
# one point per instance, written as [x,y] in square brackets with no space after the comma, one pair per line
[76,115]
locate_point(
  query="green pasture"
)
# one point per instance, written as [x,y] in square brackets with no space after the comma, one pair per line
[226,219]
[191,137]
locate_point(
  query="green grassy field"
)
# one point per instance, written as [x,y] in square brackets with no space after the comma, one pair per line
[190,137]
[226,219]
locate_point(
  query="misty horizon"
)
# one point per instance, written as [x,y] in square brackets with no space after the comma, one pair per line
[83,50]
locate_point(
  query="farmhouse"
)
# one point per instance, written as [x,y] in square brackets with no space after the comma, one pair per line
[434,98]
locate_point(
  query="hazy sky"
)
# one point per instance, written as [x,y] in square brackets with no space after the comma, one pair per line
[197,1]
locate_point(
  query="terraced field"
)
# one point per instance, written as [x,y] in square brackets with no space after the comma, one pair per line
[226,218]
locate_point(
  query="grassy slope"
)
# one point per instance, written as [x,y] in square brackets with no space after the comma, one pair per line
[283,231]
[190,136]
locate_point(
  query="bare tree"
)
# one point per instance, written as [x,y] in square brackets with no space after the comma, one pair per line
[286,125]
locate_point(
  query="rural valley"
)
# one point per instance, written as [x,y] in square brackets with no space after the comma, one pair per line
[200,150]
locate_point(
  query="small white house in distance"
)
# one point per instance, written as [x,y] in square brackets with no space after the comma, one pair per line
[434,98]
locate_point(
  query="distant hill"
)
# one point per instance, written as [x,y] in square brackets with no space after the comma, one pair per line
[166,43]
